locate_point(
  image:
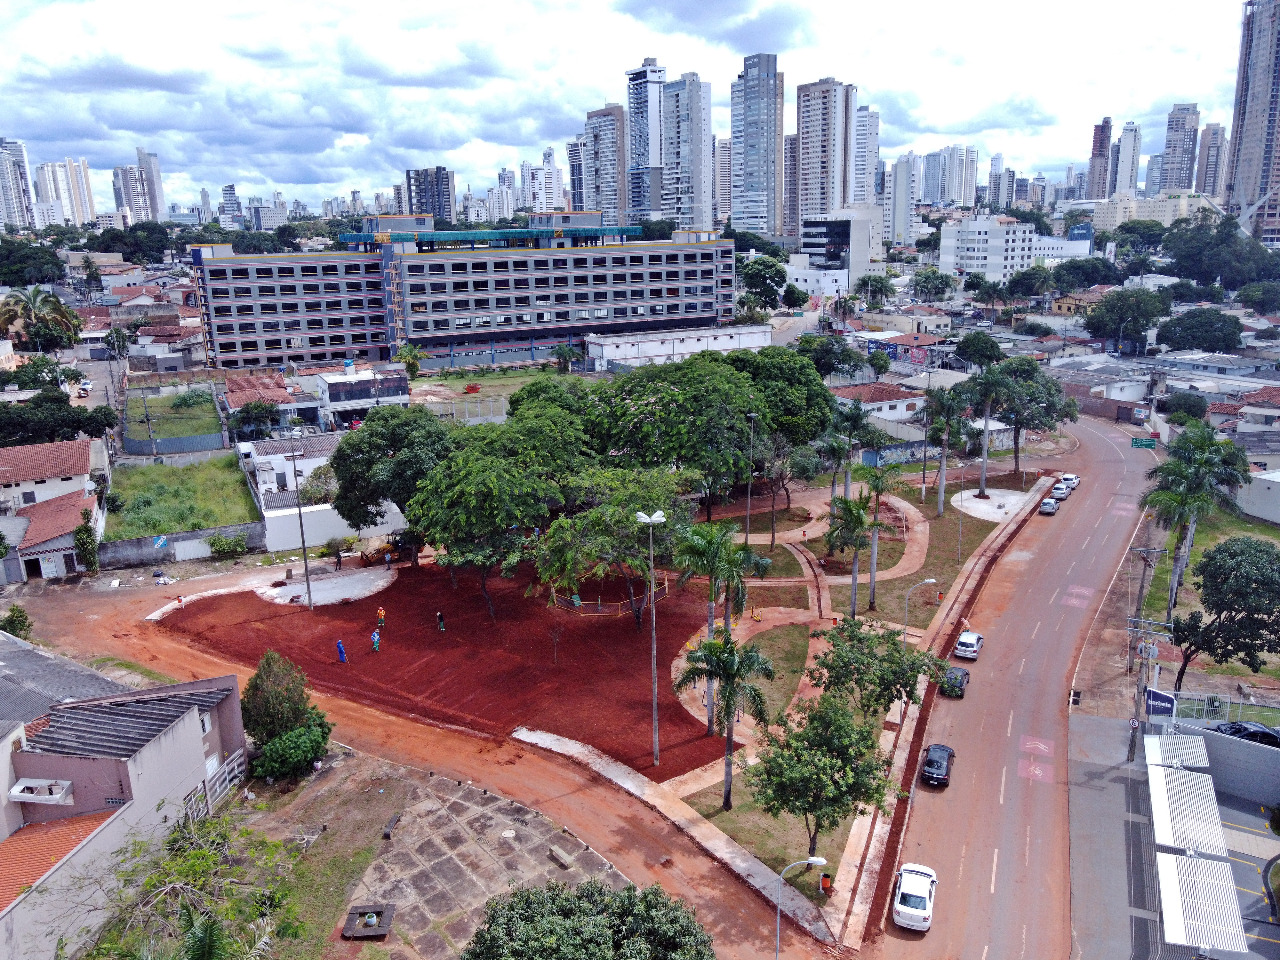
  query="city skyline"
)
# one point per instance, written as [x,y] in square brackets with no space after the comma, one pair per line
[334,110]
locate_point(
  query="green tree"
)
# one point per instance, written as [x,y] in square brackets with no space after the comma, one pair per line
[34,315]
[411,356]
[732,669]
[1191,484]
[873,669]
[877,289]
[879,362]
[1125,312]
[275,700]
[1081,272]
[833,449]
[990,391]
[293,752]
[92,275]
[1145,233]
[789,386]
[539,923]
[1035,217]
[738,564]
[255,417]
[763,277]
[1035,401]
[823,767]
[931,284]
[700,552]
[565,355]
[49,416]
[881,481]
[479,510]
[384,461]
[745,242]
[1262,297]
[16,621]
[117,342]
[657,229]
[849,528]
[86,542]
[1031,282]
[1210,248]
[1239,584]
[829,354]
[567,393]
[20,259]
[320,487]
[1201,329]
[930,242]
[979,348]
[1034,328]
[946,409]
[793,298]
[1194,405]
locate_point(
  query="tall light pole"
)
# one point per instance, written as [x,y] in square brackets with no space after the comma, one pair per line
[302,532]
[651,521]
[751,444]
[812,862]
[960,513]
[906,607]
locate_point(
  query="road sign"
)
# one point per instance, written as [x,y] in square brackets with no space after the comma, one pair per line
[1143,443]
[1134,724]
[159,542]
[1159,703]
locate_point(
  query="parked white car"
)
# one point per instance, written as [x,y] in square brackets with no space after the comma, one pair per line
[1071,480]
[968,645]
[913,897]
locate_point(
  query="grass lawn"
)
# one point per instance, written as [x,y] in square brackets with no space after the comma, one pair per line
[110,663]
[793,595]
[784,562]
[162,499]
[788,648]
[940,563]
[491,384]
[792,519]
[841,564]
[167,421]
[775,843]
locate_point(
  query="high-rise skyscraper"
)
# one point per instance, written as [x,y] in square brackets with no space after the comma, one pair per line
[935,176]
[1177,172]
[206,208]
[644,141]
[826,148]
[1212,163]
[686,153]
[756,104]
[16,198]
[1253,168]
[1128,156]
[790,185]
[604,164]
[866,155]
[573,151]
[130,192]
[1155,164]
[961,185]
[1100,162]
[153,185]
[430,191]
[902,181]
[542,185]
[994,179]
[724,179]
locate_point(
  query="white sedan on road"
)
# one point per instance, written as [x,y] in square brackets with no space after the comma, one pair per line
[1071,480]
[913,897]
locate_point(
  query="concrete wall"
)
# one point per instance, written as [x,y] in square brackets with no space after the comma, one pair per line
[12,740]
[322,523]
[93,781]
[1261,498]
[1240,768]
[117,554]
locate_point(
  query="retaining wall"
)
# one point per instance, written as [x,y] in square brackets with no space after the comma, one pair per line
[188,545]
[1240,768]
[169,445]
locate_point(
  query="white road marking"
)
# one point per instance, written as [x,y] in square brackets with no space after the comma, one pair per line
[984,953]
[1033,632]
[1060,619]
[1095,526]
[995,859]
[960,872]
[1086,542]
[1054,597]
[1026,856]
[1021,665]
[1024,940]
[1008,732]
[1003,771]
[1070,568]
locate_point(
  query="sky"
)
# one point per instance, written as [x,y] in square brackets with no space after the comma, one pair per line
[318,98]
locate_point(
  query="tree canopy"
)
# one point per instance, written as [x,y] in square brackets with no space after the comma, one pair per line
[1082,272]
[1129,312]
[745,242]
[980,348]
[275,700]
[829,354]
[49,416]
[1145,233]
[1210,247]
[930,283]
[1261,297]
[1201,329]
[23,263]
[797,403]
[763,277]
[1030,282]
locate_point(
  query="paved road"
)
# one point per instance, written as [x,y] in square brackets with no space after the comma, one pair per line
[998,836]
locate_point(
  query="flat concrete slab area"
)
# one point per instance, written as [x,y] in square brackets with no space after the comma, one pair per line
[1001,505]
[331,587]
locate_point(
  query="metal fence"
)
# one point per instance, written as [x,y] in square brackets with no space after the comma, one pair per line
[584,608]
[162,446]
[1211,708]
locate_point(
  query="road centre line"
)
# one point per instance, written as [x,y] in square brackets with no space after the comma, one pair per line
[1026,854]
[1086,542]
[995,859]
[1003,771]
[960,872]
[1008,731]
[1070,568]
[1021,665]
[1241,826]
[1054,597]
[1033,632]
[984,953]
[1095,526]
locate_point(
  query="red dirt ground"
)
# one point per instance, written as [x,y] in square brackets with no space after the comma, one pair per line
[488,675]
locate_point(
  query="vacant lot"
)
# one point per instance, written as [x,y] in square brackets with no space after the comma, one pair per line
[168,420]
[163,499]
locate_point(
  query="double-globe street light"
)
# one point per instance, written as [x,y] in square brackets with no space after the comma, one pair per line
[651,521]
[812,862]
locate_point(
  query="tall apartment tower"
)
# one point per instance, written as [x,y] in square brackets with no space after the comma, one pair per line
[902,182]
[826,132]
[604,164]
[430,191]
[756,103]
[1100,162]
[130,190]
[866,155]
[1155,174]
[790,185]
[962,175]
[644,141]
[935,176]
[687,171]
[1128,158]
[66,185]
[994,179]
[1212,163]
[17,206]
[573,150]
[153,185]
[1179,167]
[724,179]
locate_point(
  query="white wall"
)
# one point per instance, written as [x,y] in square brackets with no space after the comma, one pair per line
[321,523]
[1261,498]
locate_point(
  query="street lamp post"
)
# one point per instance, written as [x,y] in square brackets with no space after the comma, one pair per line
[651,521]
[302,531]
[812,862]
[960,513]
[906,607]
[751,444]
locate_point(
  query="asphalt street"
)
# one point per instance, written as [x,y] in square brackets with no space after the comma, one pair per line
[998,836]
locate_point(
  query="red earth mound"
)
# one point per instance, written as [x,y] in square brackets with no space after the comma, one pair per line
[489,675]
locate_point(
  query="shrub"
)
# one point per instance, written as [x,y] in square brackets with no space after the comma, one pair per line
[275,699]
[1195,405]
[16,622]
[320,487]
[192,398]
[1268,333]
[224,548]
[113,502]
[1180,418]
[86,542]
[292,754]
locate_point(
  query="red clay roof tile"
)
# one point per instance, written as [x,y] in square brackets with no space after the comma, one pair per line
[29,853]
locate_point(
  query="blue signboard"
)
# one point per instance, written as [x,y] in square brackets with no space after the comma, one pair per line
[159,542]
[1160,704]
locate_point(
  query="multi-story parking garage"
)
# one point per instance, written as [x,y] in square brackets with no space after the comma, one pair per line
[463,297]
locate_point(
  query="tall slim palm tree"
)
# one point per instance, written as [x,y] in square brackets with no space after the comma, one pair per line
[740,562]
[700,552]
[988,390]
[848,421]
[849,529]
[22,310]
[833,448]
[880,481]
[946,409]
[732,668]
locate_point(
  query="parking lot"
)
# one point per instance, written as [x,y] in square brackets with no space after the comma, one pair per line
[1245,825]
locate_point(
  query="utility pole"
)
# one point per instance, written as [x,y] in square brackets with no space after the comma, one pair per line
[147,413]
[302,530]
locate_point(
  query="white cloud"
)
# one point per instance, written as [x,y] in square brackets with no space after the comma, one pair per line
[321,97]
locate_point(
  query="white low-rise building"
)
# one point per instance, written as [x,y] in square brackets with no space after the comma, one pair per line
[1164,207]
[606,350]
[994,248]
[1261,498]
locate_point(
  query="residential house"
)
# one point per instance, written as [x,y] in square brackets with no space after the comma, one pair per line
[41,537]
[889,401]
[1259,411]
[1261,449]
[1082,302]
[35,472]
[1261,498]
[89,777]
[290,400]
[1204,362]
[1223,412]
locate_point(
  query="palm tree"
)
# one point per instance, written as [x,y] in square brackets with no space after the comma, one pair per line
[988,389]
[833,448]
[849,529]
[732,668]
[880,481]
[411,356]
[564,354]
[846,422]
[23,310]
[946,409]
[1198,478]
[740,562]
[700,552]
